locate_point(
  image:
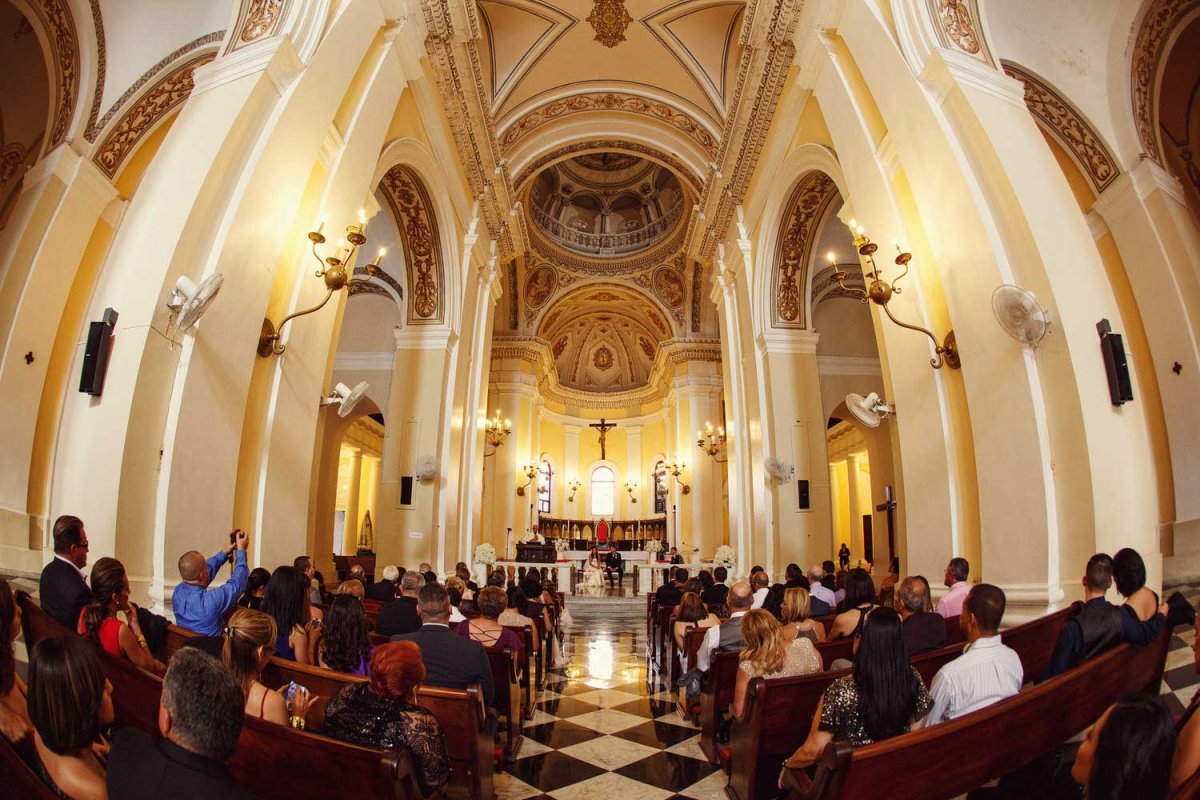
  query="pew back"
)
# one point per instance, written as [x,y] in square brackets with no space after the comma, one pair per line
[503,661]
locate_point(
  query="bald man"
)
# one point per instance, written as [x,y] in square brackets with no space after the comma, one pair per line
[199,608]
[728,635]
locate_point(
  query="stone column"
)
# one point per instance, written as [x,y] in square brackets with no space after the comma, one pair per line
[354,478]
[855,501]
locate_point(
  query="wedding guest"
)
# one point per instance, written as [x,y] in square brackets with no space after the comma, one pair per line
[287,602]
[797,620]
[249,644]
[1126,755]
[14,711]
[345,646]
[99,622]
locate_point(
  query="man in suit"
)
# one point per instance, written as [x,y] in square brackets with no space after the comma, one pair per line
[671,592]
[63,588]
[400,616]
[385,590]
[450,660]
[715,595]
[614,567]
[674,557]
[200,719]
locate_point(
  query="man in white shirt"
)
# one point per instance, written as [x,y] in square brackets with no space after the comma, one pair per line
[761,582]
[987,671]
[728,635]
[817,590]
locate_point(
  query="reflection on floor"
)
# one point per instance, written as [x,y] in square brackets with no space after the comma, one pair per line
[600,731]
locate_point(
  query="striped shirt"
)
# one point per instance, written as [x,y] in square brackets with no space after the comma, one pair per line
[987,672]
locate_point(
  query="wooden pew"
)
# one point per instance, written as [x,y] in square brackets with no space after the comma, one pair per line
[662,633]
[17,778]
[507,687]
[1033,641]
[531,664]
[1029,724]
[459,712]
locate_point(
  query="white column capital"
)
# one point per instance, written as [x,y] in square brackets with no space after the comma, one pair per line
[781,340]
[276,56]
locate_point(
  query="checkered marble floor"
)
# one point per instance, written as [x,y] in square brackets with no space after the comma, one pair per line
[600,730]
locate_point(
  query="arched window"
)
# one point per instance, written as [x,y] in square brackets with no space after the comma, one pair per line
[545,475]
[604,492]
[660,488]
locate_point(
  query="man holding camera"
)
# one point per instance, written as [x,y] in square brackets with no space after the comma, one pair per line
[199,608]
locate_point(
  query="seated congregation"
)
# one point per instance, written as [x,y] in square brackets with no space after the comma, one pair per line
[122,703]
[805,704]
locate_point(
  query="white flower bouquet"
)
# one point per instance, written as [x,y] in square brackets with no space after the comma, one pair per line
[725,556]
[485,554]
[560,545]
[653,546]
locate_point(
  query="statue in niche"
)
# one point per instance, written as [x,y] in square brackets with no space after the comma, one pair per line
[366,536]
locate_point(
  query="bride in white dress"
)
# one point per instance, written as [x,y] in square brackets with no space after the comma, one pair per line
[593,576]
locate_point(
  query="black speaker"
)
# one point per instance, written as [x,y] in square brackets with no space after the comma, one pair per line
[802,494]
[95,354]
[406,490]
[1120,388]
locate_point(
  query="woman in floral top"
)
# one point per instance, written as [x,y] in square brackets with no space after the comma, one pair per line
[882,698]
[383,713]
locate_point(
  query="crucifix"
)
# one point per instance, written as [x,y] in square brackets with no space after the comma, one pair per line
[604,428]
[889,505]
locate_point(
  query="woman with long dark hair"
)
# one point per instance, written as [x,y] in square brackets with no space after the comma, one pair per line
[344,645]
[256,587]
[70,701]
[14,713]
[881,699]
[286,601]
[100,624]
[860,600]
[1126,755]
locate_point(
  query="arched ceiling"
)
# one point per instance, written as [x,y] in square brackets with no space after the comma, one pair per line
[604,338]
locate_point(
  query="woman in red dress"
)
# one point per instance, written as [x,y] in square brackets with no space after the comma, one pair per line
[99,621]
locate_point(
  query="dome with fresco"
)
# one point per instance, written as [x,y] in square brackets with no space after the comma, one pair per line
[606,205]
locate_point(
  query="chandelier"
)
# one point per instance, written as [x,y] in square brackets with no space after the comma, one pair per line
[880,293]
[335,269]
[496,430]
[712,442]
[674,467]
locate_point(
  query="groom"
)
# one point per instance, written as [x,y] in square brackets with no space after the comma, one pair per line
[614,566]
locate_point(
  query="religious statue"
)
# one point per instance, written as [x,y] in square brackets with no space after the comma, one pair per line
[604,428]
[366,535]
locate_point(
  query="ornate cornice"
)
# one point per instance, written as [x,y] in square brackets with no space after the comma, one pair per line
[141,117]
[451,43]
[101,70]
[624,102]
[768,52]
[598,267]
[59,27]
[1068,126]
[608,145]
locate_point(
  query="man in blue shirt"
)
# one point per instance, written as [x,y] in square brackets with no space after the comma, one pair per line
[198,608]
[1100,625]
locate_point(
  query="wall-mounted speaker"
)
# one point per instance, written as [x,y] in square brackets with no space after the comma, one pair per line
[96,352]
[802,494]
[1120,387]
[406,490]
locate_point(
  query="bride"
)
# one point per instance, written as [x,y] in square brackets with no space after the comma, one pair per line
[593,577]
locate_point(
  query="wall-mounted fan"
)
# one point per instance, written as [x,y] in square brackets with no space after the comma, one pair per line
[1020,315]
[345,397]
[778,469]
[189,301]
[869,410]
[427,468]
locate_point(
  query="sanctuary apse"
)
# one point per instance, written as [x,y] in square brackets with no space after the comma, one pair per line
[653,219]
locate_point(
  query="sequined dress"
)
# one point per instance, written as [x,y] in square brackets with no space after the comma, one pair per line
[839,711]
[360,716]
[801,659]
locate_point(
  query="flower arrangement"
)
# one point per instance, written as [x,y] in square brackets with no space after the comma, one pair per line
[725,556]
[485,554]
[560,545]
[653,546]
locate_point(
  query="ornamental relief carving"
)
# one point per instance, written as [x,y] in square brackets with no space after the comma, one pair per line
[1069,127]
[808,205]
[610,101]
[1161,20]
[141,117]
[959,26]
[609,19]
[260,19]
[411,210]
[56,20]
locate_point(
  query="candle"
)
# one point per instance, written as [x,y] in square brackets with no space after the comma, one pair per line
[321,225]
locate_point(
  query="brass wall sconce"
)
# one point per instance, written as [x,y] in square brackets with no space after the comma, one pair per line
[531,471]
[880,293]
[631,487]
[335,269]
[574,483]
[673,468]
[495,431]
[712,442]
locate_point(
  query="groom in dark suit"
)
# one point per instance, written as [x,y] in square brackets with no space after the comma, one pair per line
[614,567]
[63,589]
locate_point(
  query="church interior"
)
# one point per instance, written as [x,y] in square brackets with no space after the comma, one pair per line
[512,283]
